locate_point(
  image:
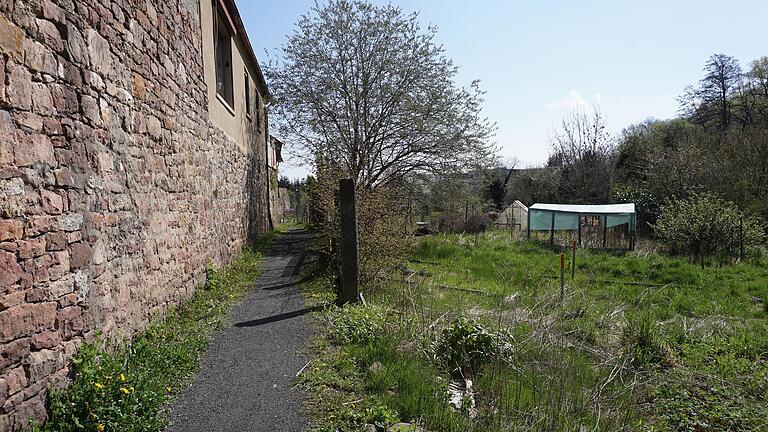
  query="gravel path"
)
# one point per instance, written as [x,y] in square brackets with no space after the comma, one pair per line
[245,383]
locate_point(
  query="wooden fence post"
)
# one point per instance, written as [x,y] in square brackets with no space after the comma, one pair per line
[573,262]
[349,277]
[562,276]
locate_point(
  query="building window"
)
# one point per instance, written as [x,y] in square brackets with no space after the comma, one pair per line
[223,49]
[248,105]
[257,95]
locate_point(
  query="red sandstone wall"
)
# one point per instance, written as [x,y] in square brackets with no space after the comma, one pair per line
[115,190]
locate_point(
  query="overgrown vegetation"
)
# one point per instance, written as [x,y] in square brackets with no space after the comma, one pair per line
[125,386]
[475,338]
[705,225]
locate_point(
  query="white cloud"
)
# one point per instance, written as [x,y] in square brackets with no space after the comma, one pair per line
[575,99]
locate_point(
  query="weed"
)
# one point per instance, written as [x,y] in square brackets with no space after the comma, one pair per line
[125,387]
[355,323]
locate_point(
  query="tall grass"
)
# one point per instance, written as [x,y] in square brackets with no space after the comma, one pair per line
[639,342]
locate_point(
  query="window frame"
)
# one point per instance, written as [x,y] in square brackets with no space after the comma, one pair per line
[222,47]
[248,97]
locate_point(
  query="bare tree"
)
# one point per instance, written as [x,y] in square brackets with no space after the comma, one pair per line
[363,88]
[582,149]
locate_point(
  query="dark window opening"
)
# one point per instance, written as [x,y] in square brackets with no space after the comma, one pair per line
[223,48]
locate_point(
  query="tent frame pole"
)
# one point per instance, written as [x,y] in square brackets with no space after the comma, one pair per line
[552,231]
[579,225]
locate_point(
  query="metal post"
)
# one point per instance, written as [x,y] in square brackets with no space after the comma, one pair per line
[605,230]
[552,231]
[579,230]
[528,227]
[349,278]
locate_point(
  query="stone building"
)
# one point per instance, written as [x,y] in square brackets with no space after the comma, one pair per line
[132,154]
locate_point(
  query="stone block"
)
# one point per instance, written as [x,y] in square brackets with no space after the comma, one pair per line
[42,100]
[31,248]
[11,229]
[18,92]
[70,222]
[11,39]
[60,288]
[26,319]
[70,322]
[12,299]
[46,340]
[16,379]
[64,99]
[33,149]
[13,353]
[53,203]
[49,34]
[44,363]
[39,58]
[56,241]
[76,45]
[29,121]
[60,267]
[98,52]
[7,138]
[10,270]
[80,255]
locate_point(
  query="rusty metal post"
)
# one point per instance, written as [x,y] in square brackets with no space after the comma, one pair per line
[349,278]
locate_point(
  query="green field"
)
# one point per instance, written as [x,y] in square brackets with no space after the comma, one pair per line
[639,341]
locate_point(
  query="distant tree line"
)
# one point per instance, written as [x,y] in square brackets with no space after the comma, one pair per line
[717,145]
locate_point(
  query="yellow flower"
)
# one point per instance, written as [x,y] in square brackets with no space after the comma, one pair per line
[122,377]
[124,390]
[98,386]
[131,389]
[100,427]
[168,389]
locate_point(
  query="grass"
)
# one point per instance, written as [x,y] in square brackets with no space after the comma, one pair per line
[126,386]
[641,341]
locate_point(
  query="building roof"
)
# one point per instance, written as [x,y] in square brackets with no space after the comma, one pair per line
[587,209]
[234,16]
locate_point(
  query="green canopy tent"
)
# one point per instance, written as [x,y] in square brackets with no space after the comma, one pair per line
[567,217]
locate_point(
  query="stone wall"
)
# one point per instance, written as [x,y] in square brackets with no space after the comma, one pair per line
[115,189]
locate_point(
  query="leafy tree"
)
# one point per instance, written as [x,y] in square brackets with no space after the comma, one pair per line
[704,225]
[364,89]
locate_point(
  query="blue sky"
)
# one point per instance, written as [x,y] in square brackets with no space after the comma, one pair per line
[539,59]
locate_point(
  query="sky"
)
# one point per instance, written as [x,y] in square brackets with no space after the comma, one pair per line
[538,60]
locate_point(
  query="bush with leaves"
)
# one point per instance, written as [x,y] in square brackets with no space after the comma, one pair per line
[706,225]
[381,236]
[356,324]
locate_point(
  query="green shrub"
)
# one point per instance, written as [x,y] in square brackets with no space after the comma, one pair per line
[355,324]
[465,346]
[642,341]
[705,225]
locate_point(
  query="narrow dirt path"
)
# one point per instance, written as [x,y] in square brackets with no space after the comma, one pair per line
[245,383]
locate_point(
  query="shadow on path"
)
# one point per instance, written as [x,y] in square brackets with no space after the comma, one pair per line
[246,379]
[276,318]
